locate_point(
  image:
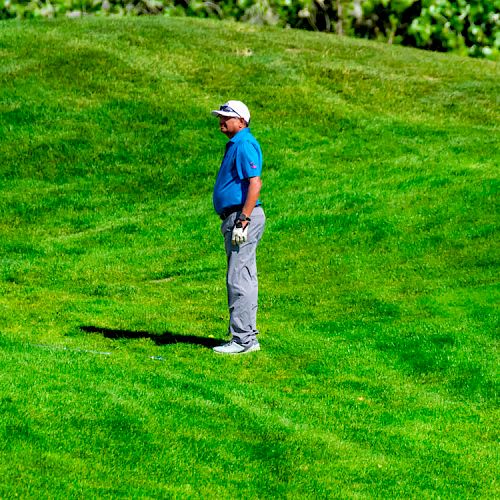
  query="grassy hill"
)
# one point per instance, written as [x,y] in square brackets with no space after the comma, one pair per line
[378,375]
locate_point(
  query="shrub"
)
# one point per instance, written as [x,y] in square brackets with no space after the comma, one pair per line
[470,27]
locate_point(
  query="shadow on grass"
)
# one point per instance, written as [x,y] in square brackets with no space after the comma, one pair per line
[159,339]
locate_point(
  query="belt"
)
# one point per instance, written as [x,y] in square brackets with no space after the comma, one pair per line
[230,210]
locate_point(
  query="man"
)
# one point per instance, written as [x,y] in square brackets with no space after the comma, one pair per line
[236,200]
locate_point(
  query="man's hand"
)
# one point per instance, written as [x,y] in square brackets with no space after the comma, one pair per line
[240,233]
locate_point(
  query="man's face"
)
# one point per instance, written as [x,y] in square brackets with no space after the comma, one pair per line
[230,126]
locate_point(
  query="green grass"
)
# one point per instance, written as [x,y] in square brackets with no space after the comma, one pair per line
[378,376]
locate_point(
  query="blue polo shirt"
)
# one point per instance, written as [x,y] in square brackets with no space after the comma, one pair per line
[243,160]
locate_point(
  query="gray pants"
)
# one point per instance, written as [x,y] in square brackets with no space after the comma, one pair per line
[241,279]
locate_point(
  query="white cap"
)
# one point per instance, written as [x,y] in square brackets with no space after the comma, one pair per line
[236,109]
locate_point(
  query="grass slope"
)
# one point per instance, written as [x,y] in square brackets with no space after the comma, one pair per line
[378,269]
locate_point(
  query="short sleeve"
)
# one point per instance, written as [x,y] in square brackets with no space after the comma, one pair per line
[248,160]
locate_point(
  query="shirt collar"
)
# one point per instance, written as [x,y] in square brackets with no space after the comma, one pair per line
[240,135]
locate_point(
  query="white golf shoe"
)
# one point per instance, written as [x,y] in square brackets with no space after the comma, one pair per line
[235,348]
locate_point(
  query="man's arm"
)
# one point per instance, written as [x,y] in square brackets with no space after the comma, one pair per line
[239,235]
[252,196]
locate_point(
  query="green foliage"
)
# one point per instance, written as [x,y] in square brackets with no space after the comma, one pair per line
[73,8]
[385,19]
[469,27]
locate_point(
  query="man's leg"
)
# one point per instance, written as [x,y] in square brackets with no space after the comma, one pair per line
[242,281]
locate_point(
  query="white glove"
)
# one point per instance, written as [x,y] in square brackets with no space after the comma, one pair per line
[240,234]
